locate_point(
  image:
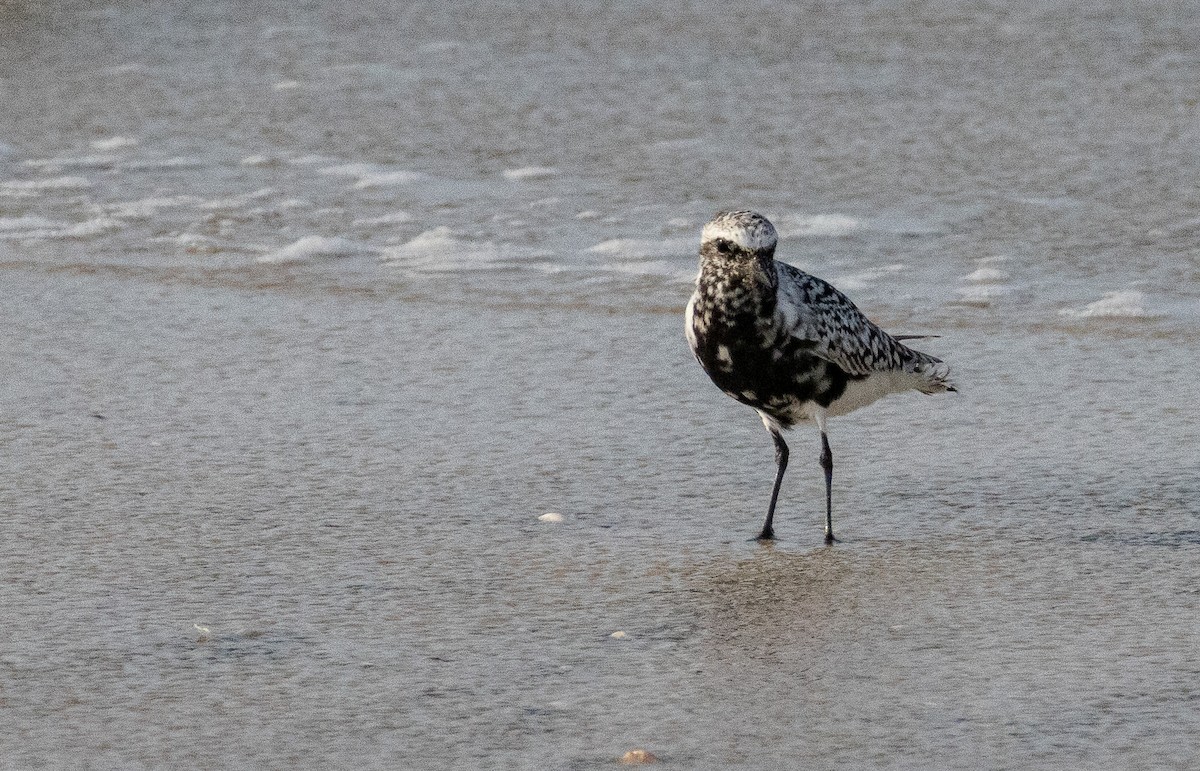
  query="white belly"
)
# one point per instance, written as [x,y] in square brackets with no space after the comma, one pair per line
[860,393]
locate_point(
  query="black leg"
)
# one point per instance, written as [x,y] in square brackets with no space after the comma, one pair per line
[827,464]
[781,459]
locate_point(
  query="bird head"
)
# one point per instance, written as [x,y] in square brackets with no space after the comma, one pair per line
[738,234]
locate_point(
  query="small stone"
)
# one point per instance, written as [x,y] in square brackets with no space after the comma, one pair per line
[618,635]
[551,517]
[638,758]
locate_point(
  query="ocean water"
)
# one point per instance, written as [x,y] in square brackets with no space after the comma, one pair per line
[311,312]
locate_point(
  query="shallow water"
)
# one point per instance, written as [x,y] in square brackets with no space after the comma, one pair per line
[311,313]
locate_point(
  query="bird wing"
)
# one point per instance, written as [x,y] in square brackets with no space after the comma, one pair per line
[827,323]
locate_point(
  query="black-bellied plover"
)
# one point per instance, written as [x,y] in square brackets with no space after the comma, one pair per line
[789,344]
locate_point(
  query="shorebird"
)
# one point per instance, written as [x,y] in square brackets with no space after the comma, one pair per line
[791,345]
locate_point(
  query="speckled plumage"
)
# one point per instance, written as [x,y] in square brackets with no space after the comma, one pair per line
[787,343]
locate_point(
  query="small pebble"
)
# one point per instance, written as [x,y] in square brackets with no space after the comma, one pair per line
[551,517]
[638,757]
[618,635]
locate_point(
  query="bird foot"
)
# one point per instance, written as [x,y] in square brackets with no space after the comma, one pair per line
[766,535]
[830,540]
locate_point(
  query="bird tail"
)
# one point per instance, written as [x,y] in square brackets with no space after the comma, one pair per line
[933,374]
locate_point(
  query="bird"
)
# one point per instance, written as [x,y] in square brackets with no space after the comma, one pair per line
[791,345]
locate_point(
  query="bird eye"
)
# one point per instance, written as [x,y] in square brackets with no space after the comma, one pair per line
[723,246]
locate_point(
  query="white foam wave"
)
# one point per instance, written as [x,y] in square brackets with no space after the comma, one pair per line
[346,169]
[261,161]
[371,175]
[39,228]
[312,159]
[238,201]
[53,165]
[1129,304]
[646,248]
[986,275]
[983,293]
[145,208]
[92,227]
[113,143]
[28,223]
[193,243]
[313,247]
[863,279]
[178,163]
[655,268]
[795,226]
[395,218]
[530,172]
[388,179]
[35,186]
[441,250]
[984,284]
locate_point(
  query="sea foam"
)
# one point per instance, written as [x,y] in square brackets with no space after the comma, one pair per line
[442,250]
[313,247]
[372,175]
[39,228]
[530,172]
[82,162]
[395,218]
[27,223]
[1129,304]
[113,143]
[985,283]
[794,226]
[667,269]
[983,294]
[985,275]
[261,161]
[145,208]
[863,279]
[388,179]
[177,163]
[238,201]
[646,248]
[35,186]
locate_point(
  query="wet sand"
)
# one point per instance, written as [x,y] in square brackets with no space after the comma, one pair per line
[351,518]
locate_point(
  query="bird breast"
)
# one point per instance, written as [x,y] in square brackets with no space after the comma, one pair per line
[746,352]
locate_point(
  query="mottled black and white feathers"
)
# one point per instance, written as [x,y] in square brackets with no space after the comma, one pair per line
[784,341]
[789,344]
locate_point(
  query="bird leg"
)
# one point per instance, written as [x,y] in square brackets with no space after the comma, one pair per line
[827,465]
[781,459]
